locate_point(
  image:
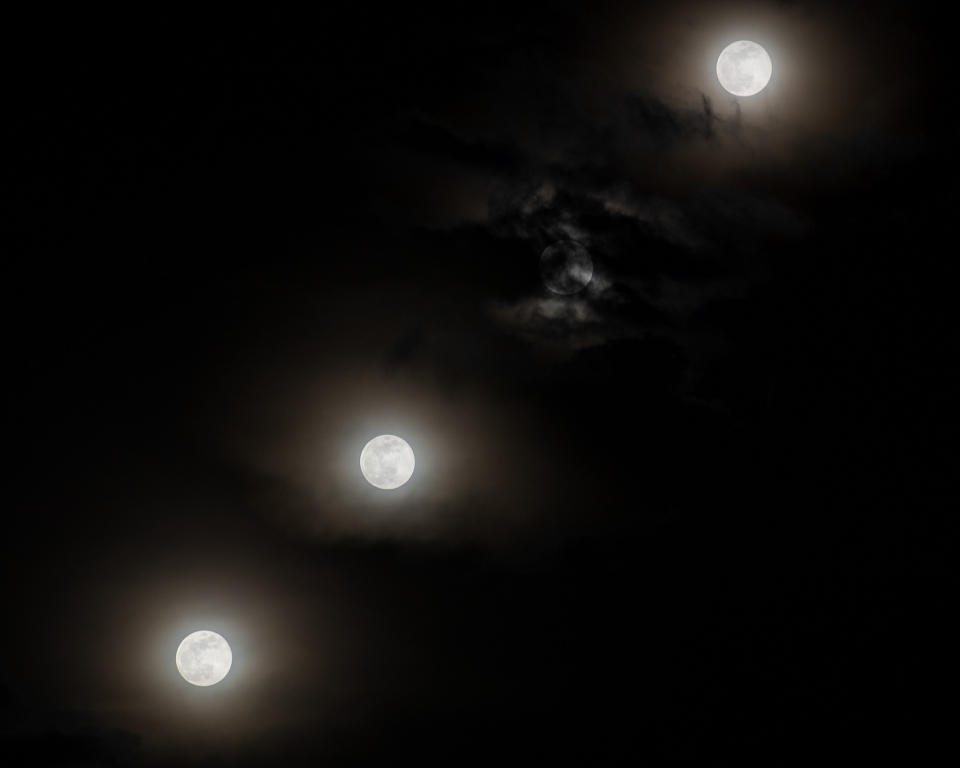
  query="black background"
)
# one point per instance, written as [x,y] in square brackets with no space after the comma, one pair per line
[739,538]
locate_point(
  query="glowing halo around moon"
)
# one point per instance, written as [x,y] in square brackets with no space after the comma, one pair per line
[744,68]
[204,658]
[387,462]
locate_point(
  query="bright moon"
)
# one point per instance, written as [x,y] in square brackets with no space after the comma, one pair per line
[744,68]
[204,658]
[387,462]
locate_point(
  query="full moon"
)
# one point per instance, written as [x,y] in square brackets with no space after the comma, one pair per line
[744,68]
[566,267]
[387,462]
[204,658]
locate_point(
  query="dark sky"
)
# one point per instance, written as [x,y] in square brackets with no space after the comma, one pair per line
[701,511]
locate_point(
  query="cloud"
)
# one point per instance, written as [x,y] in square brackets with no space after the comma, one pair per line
[638,182]
[570,323]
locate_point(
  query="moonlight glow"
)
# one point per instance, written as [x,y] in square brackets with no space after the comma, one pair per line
[744,68]
[387,462]
[204,658]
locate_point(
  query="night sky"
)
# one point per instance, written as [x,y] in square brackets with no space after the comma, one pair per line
[701,511]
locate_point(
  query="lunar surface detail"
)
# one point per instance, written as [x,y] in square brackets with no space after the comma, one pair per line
[204,658]
[566,267]
[744,68]
[387,462]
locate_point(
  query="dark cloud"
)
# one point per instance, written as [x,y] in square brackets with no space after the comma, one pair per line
[429,138]
[84,747]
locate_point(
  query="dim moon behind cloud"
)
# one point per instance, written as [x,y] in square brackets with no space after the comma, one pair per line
[387,462]
[566,267]
[744,68]
[204,658]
